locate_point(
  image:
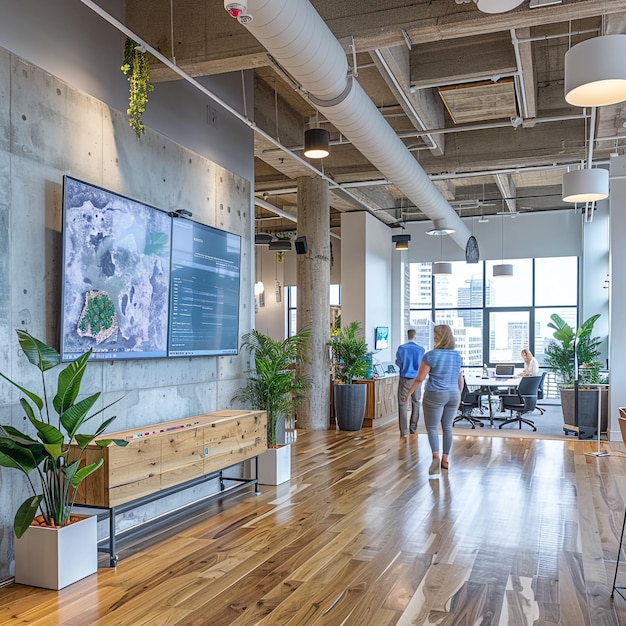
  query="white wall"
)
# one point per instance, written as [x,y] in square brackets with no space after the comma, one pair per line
[532,234]
[617,282]
[366,285]
[270,319]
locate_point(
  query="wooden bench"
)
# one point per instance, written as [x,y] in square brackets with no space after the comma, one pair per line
[162,459]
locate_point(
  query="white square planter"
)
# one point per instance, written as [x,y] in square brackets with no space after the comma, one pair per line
[275,465]
[56,557]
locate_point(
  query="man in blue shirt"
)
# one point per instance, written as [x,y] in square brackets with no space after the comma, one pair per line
[408,359]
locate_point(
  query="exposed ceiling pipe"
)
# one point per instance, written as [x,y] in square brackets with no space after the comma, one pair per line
[447,176]
[413,115]
[280,213]
[520,74]
[409,134]
[274,209]
[297,37]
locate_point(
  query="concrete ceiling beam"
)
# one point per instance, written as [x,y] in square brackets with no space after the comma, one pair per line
[423,108]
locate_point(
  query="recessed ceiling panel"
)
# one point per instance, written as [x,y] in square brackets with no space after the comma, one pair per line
[479,102]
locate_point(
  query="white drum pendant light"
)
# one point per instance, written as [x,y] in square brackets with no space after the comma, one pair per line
[441,268]
[595,71]
[502,270]
[586,185]
[497,6]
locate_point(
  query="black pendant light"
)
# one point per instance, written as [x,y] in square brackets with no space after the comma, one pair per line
[316,142]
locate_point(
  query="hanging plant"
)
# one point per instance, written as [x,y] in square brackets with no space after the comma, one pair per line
[137,69]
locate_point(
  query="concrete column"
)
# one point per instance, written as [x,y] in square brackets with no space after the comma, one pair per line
[313,298]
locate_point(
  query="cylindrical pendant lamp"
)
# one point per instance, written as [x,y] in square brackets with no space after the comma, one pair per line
[316,142]
[586,185]
[497,6]
[502,270]
[595,72]
[441,268]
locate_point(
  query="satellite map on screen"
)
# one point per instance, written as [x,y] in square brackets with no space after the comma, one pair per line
[116,262]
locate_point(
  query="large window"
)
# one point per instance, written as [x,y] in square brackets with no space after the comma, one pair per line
[494,318]
[292,308]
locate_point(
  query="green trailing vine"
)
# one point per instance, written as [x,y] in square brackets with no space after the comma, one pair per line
[137,69]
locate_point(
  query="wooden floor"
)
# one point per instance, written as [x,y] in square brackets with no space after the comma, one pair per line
[518,532]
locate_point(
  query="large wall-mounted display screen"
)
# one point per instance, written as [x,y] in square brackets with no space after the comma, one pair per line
[204,313]
[140,283]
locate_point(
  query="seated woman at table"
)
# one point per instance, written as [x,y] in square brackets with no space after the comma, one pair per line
[531,365]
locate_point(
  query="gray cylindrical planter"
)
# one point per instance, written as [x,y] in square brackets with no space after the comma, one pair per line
[350,406]
[587,411]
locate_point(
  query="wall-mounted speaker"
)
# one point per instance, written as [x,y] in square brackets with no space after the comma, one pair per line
[301,245]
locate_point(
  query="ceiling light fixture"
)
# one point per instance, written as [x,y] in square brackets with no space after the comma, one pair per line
[586,185]
[595,72]
[440,227]
[279,245]
[401,241]
[316,142]
[502,270]
[441,268]
[259,287]
[262,239]
[497,6]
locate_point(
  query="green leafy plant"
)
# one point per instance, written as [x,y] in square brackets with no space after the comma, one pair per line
[274,385]
[57,453]
[560,353]
[348,353]
[136,68]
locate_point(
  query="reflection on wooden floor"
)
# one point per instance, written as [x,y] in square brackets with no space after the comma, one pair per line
[518,532]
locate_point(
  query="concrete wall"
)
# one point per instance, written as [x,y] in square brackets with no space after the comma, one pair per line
[49,128]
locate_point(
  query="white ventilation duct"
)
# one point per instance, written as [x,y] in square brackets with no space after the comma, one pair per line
[297,37]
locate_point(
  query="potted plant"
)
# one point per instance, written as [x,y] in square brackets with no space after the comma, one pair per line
[560,358]
[348,361]
[55,457]
[276,387]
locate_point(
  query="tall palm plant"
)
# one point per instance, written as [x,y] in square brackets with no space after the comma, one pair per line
[274,385]
[560,353]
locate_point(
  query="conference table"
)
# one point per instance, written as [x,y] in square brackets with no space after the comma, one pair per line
[491,384]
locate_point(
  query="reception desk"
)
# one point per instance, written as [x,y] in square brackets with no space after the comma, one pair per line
[382,400]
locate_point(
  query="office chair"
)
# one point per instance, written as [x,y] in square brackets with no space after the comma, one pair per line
[540,393]
[523,402]
[470,400]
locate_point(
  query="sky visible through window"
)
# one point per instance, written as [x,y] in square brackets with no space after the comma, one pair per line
[460,299]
